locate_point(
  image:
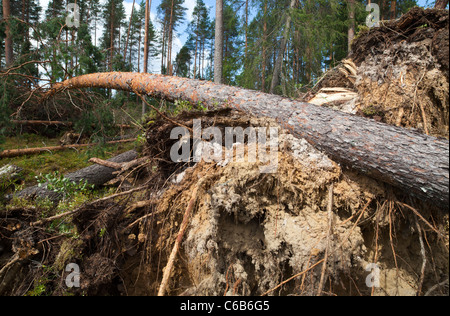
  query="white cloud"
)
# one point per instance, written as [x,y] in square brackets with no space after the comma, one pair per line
[189,5]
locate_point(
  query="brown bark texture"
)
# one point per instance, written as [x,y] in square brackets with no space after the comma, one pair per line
[441,4]
[8,38]
[415,163]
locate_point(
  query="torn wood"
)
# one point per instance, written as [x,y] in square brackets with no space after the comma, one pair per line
[106,163]
[415,163]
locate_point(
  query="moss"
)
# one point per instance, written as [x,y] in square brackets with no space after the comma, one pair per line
[63,161]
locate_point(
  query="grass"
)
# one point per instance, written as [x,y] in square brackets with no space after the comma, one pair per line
[65,161]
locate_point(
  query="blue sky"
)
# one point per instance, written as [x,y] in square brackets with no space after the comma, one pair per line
[181,31]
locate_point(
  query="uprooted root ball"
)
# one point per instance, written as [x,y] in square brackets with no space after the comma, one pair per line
[249,233]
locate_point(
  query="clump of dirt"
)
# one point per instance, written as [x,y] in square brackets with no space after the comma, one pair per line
[402,75]
[249,233]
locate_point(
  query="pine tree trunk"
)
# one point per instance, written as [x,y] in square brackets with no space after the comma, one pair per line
[196,48]
[169,46]
[351,27]
[111,53]
[393,9]
[218,49]
[246,28]
[279,60]
[9,57]
[147,22]
[93,175]
[264,44]
[128,34]
[441,4]
[416,163]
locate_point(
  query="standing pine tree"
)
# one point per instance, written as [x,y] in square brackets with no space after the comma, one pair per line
[171,14]
[153,48]
[199,27]
[182,62]
[113,18]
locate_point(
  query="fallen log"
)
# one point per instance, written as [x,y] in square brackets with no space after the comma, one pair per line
[40,122]
[31,151]
[93,175]
[415,163]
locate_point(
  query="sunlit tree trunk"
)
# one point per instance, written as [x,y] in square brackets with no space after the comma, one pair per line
[218,50]
[441,4]
[351,27]
[9,57]
[279,60]
[416,163]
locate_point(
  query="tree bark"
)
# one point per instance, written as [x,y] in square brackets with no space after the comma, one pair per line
[264,45]
[128,35]
[169,46]
[441,4]
[279,61]
[416,163]
[93,175]
[351,27]
[218,45]
[147,23]
[9,57]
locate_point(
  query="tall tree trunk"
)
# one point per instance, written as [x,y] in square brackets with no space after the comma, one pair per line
[393,9]
[9,57]
[163,49]
[111,30]
[279,60]
[351,27]
[416,163]
[246,28]
[218,46]
[169,45]
[128,34]
[264,45]
[147,23]
[139,48]
[146,35]
[441,4]
[195,57]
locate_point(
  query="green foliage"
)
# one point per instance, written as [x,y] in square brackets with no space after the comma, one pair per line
[39,289]
[58,183]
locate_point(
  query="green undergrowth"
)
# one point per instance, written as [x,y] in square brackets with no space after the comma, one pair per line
[64,161]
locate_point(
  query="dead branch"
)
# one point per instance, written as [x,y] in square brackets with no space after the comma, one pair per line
[173,254]
[8,153]
[329,232]
[106,163]
[424,257]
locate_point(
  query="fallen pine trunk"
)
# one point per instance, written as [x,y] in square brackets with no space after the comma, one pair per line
[415,163]
[31,151]
[95,174]
[38,122]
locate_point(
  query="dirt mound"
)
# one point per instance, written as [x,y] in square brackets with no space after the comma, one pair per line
[402,72]
[249,232]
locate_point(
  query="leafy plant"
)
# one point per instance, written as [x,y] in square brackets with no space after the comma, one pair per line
[58,183]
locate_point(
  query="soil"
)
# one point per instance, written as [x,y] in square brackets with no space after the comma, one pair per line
[248,232]
[402,72]
[252,232]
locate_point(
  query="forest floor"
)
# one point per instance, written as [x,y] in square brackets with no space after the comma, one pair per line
[312,227]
